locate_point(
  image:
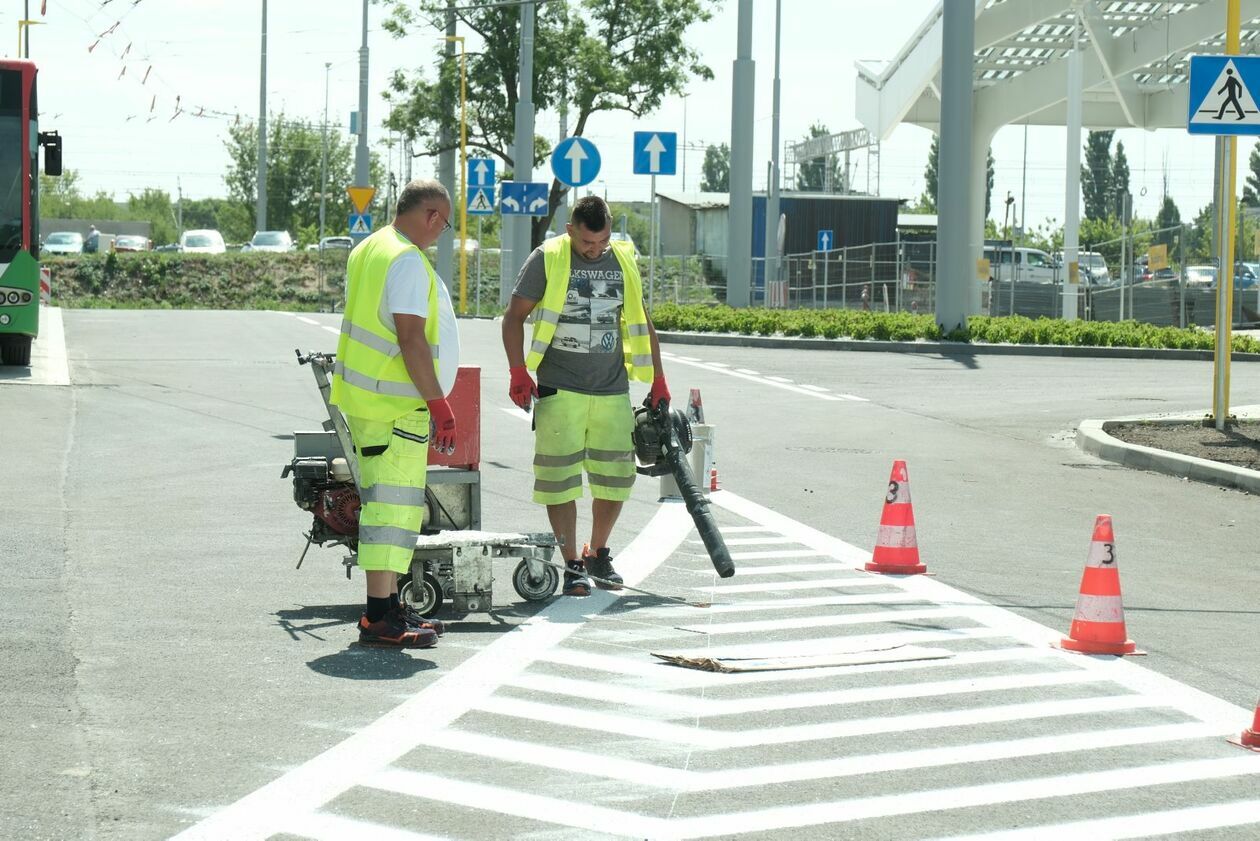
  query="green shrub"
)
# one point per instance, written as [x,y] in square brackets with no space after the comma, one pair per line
[905,327]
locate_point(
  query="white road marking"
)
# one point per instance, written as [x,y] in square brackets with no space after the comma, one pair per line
[817,388]
[641,727]
[519,414]
[762,606]
[1149,825]
[847,644]
[309,787]
[50,364]
[309,320]
[664,777]
[752,541]
[778,586]
[777,553]
[323,826]
[783,569]
[778,379]
[749,373]
[759,626]
[723,368]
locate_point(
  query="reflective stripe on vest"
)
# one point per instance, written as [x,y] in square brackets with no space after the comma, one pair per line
[635,339]
[370,379]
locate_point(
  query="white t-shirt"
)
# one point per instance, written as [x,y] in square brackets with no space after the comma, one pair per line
[407,292]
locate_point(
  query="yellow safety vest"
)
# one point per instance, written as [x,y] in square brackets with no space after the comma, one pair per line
[635,341]
[370,378]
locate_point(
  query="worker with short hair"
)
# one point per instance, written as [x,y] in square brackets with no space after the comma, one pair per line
[388,381]
[591,336]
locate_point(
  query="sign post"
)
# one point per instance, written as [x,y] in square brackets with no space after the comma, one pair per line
[655,153]
[479,202]
[1222,103]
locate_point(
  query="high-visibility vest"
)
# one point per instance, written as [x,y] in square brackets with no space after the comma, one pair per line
[635,341]
[370,378]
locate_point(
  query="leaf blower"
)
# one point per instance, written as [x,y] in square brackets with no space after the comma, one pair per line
[662,439]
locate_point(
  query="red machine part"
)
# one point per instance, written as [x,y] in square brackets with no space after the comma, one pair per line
[339,508]
[465,400]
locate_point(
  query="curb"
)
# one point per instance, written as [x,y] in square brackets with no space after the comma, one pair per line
[1093,438]
[944,348]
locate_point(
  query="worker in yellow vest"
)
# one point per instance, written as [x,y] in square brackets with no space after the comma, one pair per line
[591,337]
[390,382]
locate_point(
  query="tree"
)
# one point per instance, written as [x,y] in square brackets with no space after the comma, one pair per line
[154,206]
[233,219]
[716,169]
[931,176]
[812,175]
[1251,190]
[1199,241]
[1096,175]
[622,56]
[293,174]
[1169,217]
[1119,177]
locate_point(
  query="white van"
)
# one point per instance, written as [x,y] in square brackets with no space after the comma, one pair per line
[1027,265]
[202,242]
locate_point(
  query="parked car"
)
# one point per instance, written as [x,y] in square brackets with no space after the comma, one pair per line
[277,241]
[1030,265]
[170,246]
[131,242]
[1201,276]
[1245,275]
[202,242]
[64,242]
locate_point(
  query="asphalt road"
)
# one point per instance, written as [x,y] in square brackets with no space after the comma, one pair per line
[166,665]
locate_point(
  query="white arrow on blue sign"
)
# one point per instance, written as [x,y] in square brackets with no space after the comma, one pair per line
[655,152]
[481,172]
[1221,94]
[826,239]
[481,201]
[523,198]
[575,161]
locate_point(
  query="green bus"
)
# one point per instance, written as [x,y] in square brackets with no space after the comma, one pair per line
[20,140]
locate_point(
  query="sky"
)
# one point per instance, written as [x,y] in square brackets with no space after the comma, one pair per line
[125,131]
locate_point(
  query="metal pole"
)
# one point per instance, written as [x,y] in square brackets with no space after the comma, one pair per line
[260,208]
[684,144]
[739,219]
[362,173]
[1072,211]
[477,291]
[446,165]
[826,266]
[772,186]
[1023,190]
[958,274]
[27,16]
[323,163]
[652,245]
[518,229]
[1225,272]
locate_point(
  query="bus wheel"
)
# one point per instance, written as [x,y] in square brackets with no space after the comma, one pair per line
[15,350]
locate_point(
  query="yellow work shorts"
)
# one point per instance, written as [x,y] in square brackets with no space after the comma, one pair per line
[573,431]
[393,488]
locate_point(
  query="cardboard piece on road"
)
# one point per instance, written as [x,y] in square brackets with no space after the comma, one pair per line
[361,197]
[731,665]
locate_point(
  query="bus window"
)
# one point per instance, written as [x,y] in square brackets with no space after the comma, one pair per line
[12,190]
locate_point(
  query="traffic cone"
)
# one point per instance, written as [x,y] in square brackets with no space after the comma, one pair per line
[695,409]
[1098,627]
[896,547]
[1250,737]
[713,480]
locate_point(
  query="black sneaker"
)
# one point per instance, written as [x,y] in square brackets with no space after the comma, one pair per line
[416,619]
[600,566]
[575,581]
[392,631]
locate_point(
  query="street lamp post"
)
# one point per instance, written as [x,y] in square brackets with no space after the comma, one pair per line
[462,198]
[323,161]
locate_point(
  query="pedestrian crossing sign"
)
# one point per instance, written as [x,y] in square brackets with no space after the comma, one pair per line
[481,201]
[360,224]
[1221,100]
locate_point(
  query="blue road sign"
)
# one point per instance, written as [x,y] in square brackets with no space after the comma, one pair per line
[360,224]
[1221,98]
[480,201]
[523,198]
[480,172]
[655,152]
[826,240]
[575,161]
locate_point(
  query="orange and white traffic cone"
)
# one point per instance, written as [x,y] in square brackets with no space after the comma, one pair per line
[713,480]
[1098,627]
[695,408]
[1250,738]
[896,547]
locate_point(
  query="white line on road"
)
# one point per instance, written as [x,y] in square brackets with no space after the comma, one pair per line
[777,553]
[309,787]
[519,414]
[778,586]
[1149,825]
[309,320]
[723,368]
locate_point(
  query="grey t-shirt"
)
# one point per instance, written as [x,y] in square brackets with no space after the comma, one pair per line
[585,355]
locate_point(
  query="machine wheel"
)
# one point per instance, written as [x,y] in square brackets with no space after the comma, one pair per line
[535,591]
[15,350]
[426,598]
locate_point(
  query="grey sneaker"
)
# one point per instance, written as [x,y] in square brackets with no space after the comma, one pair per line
[575,581]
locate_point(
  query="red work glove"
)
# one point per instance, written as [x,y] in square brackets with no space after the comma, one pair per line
[522,387]
[442,426]
[659,392]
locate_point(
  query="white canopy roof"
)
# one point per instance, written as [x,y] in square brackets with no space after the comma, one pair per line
[1136,63]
